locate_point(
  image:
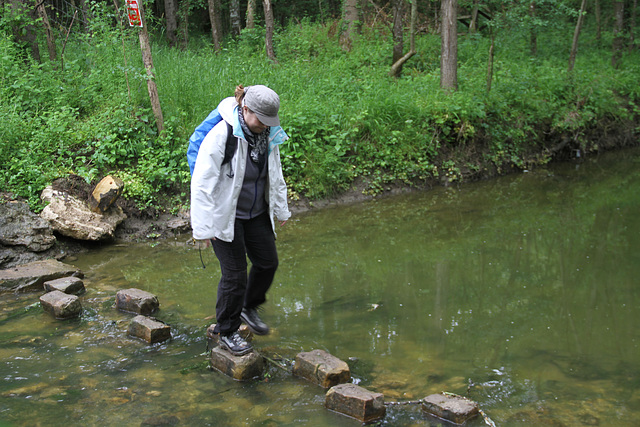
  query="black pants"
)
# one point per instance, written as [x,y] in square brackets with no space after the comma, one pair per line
[253,238]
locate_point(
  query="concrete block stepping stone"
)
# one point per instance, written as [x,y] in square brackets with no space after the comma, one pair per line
[136,301]
[61,305]
[453,408]
[150,330]
[69,285]
[322,368]
[241,368]
[356,402]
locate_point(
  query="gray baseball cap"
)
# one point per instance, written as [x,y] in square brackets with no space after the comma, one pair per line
[264,102]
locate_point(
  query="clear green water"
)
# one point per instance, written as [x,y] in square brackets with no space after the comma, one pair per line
[521,293]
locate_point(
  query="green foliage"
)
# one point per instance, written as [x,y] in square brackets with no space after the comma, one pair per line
[346,118]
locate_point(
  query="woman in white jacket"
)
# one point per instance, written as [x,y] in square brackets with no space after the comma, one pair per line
[233,207]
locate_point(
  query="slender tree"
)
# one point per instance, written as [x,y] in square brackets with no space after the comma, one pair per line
[576,35]
[473,24]
[216,24]
[251,13]
[618,27]
[147,59]
[183,12]
[234,15]
[398,30]
[24,31]
[350,21]
[632,26]
[598,20]
[269,29]
[533,37]
[412,41]
[449,48]
[51,44]
[171,22]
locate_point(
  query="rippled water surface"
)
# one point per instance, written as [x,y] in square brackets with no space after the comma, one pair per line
[521,293]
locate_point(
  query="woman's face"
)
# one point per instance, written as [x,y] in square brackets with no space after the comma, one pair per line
[252,121]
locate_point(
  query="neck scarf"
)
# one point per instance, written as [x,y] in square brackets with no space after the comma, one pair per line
[257,143]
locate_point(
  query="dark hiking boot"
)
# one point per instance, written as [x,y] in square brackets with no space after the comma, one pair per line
[253,321]
[235,344]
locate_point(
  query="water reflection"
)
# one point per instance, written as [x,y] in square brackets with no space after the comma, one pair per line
[521,292]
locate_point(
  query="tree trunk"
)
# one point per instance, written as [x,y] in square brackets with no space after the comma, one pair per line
[473,24]
[398,30]
[147,59]
[251,13]
[51,44]
[598,21]
[397,65]
[632,27]
[234,15]
[576,36]
[449,49]
[23,29]
[171,21]
[269,27]
[533,38]
[183,13]
[350,22]
[216,25]
[618,27]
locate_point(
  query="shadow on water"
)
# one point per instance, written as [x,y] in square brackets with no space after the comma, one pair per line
[520,293]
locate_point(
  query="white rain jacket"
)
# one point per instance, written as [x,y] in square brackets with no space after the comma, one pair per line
[215,188]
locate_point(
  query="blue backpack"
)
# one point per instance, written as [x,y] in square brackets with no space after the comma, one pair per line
[201,131]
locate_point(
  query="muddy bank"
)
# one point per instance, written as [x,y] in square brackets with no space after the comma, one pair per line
[173,222]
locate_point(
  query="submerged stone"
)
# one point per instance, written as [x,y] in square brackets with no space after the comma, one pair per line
[322,368]
[240,368]
[453,408]
[69,285]
[31,276]
[356,402]
[61,305]
[136,301]
[150,330]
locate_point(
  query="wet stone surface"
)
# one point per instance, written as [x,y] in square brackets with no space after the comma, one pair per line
[148,329]
[322,368]
[356,402]
[61,305]
[134,300]
[69,285]
[241,368]
[449,407]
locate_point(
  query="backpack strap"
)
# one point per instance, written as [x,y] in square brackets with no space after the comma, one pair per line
[230,148]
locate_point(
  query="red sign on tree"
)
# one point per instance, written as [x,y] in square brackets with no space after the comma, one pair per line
[133,12]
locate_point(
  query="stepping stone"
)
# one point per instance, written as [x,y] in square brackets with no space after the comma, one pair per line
[453,408]
[356,402]
[136,301]
[241,368]
[61,305]
[150,330]
[68,285]
[322,368]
